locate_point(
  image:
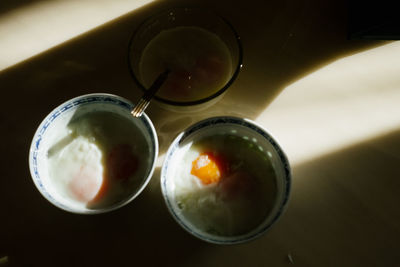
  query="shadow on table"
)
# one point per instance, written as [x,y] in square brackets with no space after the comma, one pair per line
[344,207]
[282,42]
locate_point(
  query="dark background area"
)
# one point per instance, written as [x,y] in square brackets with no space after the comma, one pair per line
[373,19]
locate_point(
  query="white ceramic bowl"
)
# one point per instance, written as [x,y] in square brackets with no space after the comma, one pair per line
[59,118]
[239,128]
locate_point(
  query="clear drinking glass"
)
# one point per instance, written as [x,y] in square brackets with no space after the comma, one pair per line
[201,49]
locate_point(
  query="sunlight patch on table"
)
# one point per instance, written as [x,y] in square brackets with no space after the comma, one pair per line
[34,28]
[349,101]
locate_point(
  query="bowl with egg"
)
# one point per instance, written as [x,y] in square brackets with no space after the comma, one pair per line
[225,180]
[201,50]
[90,155]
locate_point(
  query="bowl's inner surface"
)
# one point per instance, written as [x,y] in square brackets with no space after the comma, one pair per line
[200,63]
[201,50]
[255,178]
[93,156]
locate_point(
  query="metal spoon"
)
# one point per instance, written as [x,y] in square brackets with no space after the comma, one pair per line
[144,101]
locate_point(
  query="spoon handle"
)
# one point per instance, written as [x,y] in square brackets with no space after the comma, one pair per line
[144,101]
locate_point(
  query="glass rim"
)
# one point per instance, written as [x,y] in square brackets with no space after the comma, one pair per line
[219,92]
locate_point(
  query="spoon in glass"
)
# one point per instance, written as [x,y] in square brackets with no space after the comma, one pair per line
[144,101]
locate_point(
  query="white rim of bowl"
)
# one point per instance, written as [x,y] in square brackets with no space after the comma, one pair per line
[82,100]
[248,124]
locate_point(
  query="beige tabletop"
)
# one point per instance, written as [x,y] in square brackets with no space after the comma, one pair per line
[332,103]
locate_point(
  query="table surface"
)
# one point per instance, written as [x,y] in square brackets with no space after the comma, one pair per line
[332,103]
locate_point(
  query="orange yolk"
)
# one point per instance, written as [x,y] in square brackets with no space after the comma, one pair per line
[206,168]
[121,163]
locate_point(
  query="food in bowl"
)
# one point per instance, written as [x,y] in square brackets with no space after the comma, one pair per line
[199,61]
[103,159]
[225,185]
[91,156]
[225,180]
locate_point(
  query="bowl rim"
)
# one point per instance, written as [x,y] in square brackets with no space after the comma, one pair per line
[67,105]
[253,126]
[237,66]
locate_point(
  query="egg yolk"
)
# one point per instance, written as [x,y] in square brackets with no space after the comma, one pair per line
[121,163]
[207,168]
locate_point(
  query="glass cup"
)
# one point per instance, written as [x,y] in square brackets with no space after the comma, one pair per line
[201,50]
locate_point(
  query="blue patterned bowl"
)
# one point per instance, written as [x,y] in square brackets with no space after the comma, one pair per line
[178,158]
[46,136]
